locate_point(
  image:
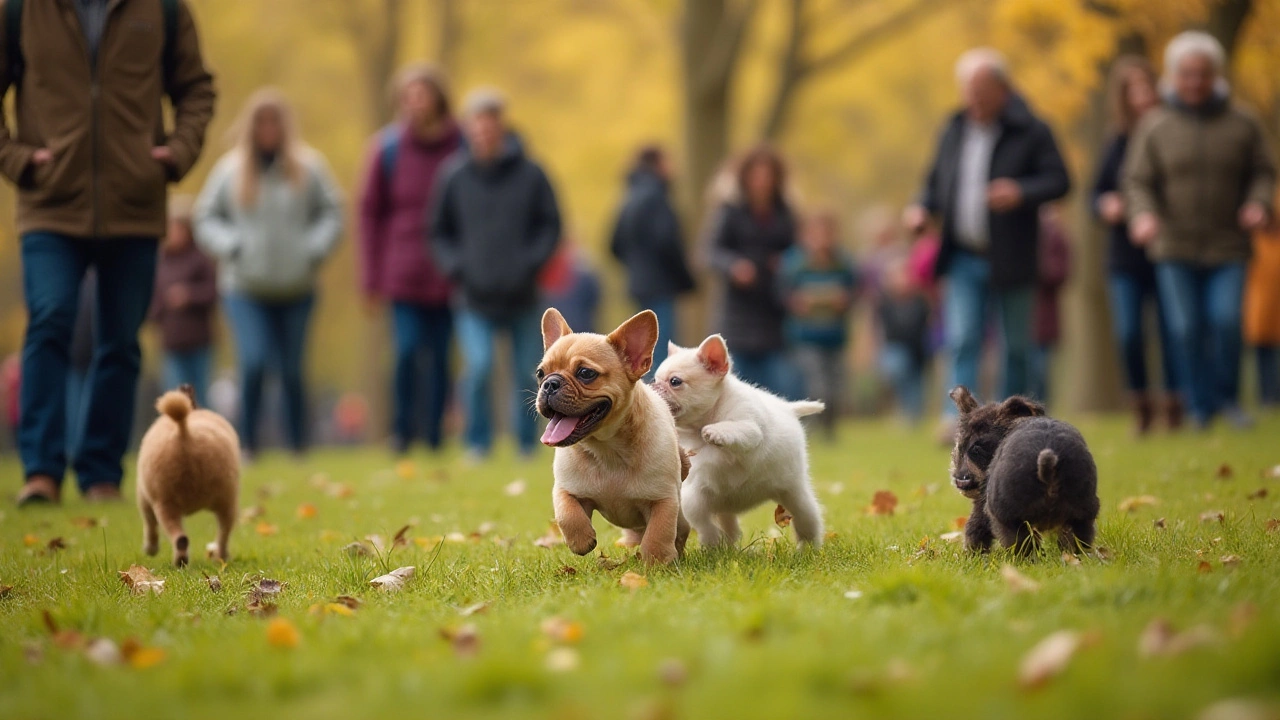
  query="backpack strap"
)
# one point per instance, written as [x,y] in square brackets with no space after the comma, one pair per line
[13,40]
[388,149]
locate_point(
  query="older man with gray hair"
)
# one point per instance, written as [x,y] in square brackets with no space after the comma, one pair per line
[996,164]
[1198,179]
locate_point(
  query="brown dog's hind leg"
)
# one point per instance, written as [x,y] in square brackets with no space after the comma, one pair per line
[575,522]
[659,542]
[172,524]
[150,528]
[226,521]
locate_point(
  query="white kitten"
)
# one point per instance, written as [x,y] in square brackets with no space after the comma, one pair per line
[748,445]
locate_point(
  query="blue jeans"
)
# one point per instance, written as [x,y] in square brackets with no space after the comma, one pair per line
[968,293]
[905,374]
[422,336]
[52,268]
[77,383]
[476,334]
[1204,306]
[769,370]
[1129,295]
[1268,357]
[194,368]
[271,332]
[668,322]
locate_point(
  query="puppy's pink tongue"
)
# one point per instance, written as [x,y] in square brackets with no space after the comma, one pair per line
[559,429]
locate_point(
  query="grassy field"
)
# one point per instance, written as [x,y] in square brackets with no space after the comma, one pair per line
[890,619]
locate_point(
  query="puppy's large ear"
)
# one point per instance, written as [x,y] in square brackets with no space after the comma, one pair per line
[964,400]
[714,356]
[553,328]
[634,340]
[1020,407]
[673,348]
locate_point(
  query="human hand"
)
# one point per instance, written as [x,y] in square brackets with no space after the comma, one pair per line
[42,156]
[1143,229]
[1004,195]
[915,218]
[163,154]
[1111,208]
[743,273]
[1253,216]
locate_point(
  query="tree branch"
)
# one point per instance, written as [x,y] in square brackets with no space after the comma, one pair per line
[867,38]
[725,46]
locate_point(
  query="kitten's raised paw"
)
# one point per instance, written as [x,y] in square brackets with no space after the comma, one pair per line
[713,436]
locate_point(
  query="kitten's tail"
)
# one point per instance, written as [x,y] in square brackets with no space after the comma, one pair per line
[177,405]
[1047,469]
[805,408]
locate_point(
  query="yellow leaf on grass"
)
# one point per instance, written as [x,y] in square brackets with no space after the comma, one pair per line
[1017,582]
[562,659]
[141,581]
[332,608]
[1130,504]
[30,540]
[144,658]
[882,503]
[1048,659]
[1161,638]
[265,528]
[633,581]
[406,470]
[282,633]
[561,630]
[306,511]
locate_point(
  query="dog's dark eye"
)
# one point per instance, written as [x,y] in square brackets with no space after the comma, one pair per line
[587,375]
[539,374]
[676,382]
[980,454]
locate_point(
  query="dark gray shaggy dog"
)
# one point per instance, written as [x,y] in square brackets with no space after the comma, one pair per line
[1027,474]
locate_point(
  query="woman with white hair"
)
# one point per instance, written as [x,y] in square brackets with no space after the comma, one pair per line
[1198,180]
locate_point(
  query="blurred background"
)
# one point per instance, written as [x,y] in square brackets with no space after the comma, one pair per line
[851,91]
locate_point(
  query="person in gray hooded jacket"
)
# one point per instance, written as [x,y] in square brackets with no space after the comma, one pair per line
[270,214]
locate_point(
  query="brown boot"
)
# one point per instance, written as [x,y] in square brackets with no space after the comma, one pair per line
[1144,414]
[39,490]
[1174,413]
[103,493]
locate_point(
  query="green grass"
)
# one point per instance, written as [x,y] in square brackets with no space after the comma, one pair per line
[761,632]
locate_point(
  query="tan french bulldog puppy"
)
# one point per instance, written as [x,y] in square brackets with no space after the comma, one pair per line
[615,439]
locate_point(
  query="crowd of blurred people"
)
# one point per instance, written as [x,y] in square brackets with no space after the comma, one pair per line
[461,241]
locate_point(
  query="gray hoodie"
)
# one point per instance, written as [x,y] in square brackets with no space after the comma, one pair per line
[272,250]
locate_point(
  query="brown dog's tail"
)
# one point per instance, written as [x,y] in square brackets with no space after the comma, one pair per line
[177,405]
[1047,469]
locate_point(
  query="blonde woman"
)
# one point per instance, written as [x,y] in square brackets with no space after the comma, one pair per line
[271,215]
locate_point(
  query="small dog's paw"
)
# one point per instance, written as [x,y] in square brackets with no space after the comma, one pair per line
[581,546]
[151,548]
[658,556]
[180,560]
[713,436]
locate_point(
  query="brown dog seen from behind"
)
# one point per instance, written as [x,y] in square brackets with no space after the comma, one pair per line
[189,461]
[1026,474]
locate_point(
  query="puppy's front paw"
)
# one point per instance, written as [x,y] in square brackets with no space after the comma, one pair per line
[151,548]
[581,545]
[714,436]
[660,555]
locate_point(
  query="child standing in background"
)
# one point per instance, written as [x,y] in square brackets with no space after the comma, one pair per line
[904,319]
[182,306]
[1262,314]
[817,284]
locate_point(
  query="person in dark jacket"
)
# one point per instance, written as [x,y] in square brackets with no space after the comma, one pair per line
[1132,92]
[748,239]
[648,241]
[495,224]
[91,155]
[995,165]
[183,304]
[396,266]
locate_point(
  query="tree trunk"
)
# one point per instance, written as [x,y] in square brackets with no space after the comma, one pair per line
[705,84]
[1226,20]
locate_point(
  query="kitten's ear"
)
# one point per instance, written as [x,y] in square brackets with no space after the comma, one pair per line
[634,341]
[553,328]
[964,400]
[1020,407]
[673,348]
[714,356]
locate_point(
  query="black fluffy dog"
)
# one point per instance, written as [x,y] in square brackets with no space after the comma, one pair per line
[1027,474]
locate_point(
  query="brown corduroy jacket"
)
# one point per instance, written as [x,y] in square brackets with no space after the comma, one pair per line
[101,118]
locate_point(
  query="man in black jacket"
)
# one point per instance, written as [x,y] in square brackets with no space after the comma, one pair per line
[494,225]
[995,165]
[648,242]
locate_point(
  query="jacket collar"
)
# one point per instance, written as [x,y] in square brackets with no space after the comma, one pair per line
[1215,105]
[1015,115]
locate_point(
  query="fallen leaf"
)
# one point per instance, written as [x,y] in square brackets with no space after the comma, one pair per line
[1049,658]
[1161,638]
[633,581]
[428,542]
[604,563]
[340,491]
[852,594]
[781,517]
[562,659]
[551,539]
[253,512]
[882,503]
[265,588]
[1159,523]
[393,581]
[1273,524]
[348,601]
[65,639]
[322,609]
[86,523]
[282,633]
[1070,559]
[258,608]
[406,470]
[515,488]
[567,570]
[1213,516]
[1204,567]
[1225,472]
[1242,616]
[307,511]
[103,651]
[1017,582]
[1103,553]
[401,538]
[265,528]
[5,590]
[215,583]
[474,609]
[139,657]
[1130,504]
[561,630]
[1272,473]
[33,653]
[1258,494]
[465,639]
[56,544]
[357,549]
[1239,709]
[673,672]
[960,522]
[30,540]
[455,537]
[141,581]
[1230,560]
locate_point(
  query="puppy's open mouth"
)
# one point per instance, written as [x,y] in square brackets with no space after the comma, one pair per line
[564,430]
[967,486]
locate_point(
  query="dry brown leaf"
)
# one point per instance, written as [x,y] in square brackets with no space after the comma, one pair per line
[348,601]
[474,609]
[1130,504]
[340,491]
[1161,638]
[103,651]
[357,549]
[882,503]
[265,589]
[141,581]
[253,512]
[266,529]
[561,630]
[1070,559]
[1159,523]
[1049,658]
[465,639]
[140,657]
[604,563]
[307,511]
[215,583]
[567,570]
[5,590]
[1225,472]
[1204,567]
[30,540]
[954,536]
[56,544]
[1209,516]
[633,581]
[1017,582]
[1273,524]
[65,639]
[1229,560]
[960,522]
[258,608]
[282,633]
[86,523]
[401,538]
[551,539]
[781,517]
[1272,473]
[1258,494]
[393,581]
[1103,553]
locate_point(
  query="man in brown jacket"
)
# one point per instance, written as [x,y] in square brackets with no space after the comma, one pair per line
[1198,179]
[91,157]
